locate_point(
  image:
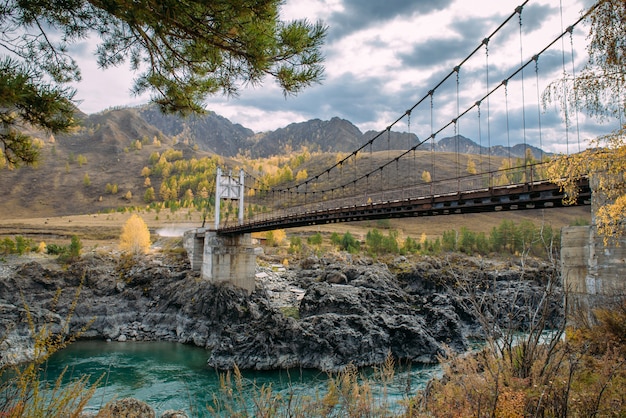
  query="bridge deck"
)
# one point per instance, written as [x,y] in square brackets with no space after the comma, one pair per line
[531,195]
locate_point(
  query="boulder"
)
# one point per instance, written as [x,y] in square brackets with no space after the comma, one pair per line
[127,408]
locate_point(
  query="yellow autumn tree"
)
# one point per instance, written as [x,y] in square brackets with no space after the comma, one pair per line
[135,237]
[302,175]
[606,167]
[598,89]
[471,166]
[275,238]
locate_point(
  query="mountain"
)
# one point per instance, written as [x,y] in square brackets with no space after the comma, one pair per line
[114,130]
[465,145]
[213,133]
[335,135]
[210,131]
[114,146]
[389,140]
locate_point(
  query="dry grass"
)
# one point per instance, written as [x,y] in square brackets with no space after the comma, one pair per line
[583,376]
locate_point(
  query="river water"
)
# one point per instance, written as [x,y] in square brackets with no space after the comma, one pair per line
[175,376]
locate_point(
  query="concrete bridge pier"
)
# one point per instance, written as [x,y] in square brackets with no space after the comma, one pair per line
[594,275]
[222,258]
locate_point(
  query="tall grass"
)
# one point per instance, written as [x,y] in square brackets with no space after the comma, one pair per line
[24,394]
[583,375]
[349,393]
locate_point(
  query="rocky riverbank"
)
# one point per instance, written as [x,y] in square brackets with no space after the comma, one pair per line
[320,313]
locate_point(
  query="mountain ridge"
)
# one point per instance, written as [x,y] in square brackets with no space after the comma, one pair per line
[214,133]
[114,147]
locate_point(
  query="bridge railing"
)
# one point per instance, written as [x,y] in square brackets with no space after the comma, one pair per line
[503,178]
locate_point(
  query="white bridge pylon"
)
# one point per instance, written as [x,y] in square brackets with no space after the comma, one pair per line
[228,187]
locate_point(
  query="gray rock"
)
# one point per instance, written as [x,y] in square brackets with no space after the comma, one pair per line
[370,314]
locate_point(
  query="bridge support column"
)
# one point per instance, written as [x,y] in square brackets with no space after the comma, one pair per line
[592,273]
[221,258]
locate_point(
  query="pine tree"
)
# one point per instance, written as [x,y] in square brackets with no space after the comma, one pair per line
[149,195]
[181,51]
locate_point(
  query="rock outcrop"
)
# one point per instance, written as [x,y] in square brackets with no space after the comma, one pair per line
[324,314]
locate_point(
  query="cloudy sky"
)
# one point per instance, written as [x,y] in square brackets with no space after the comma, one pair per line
[382,57]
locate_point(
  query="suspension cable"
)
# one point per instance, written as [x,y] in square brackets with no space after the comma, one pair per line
[456,125]
[565,107]
[508,130]
[432,137]
[536,58]
[486,42]
[571,41]
[430,94]
[435,88]
[521,60]
[480,138]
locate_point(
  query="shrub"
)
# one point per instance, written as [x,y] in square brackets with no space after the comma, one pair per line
[349,243]
[7,246]
[75,247]
[55,249]
[377,243]
[449,240]
[315,239]
[335,238]
[19,245]
[135,237]
[275,238]
[41,247]
[22,245]
[295,245]
[410,246]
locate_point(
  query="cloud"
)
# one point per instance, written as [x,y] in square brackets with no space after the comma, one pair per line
[534,16]
[383,57]
[436,52]
[357,15]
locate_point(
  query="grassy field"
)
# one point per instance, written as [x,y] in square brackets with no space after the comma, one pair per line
[103,230]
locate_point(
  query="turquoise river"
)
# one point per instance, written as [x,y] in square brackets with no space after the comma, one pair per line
[175,376]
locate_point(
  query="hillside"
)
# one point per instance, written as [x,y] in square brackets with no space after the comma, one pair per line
[113,147]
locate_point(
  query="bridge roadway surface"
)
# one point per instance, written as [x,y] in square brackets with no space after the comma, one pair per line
[522,196]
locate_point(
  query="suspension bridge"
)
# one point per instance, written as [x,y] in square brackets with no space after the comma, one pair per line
[410,181]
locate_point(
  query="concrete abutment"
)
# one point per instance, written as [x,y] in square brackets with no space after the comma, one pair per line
[222,258]
[594,274]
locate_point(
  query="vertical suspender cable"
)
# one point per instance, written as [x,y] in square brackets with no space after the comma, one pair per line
[486,42]
[521,60]
[456,125]
[571,41]
[356,173]
[480,139]
[508,130]
[536,58]
[388,141]
[408,143]
[565,108]
[432,140]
